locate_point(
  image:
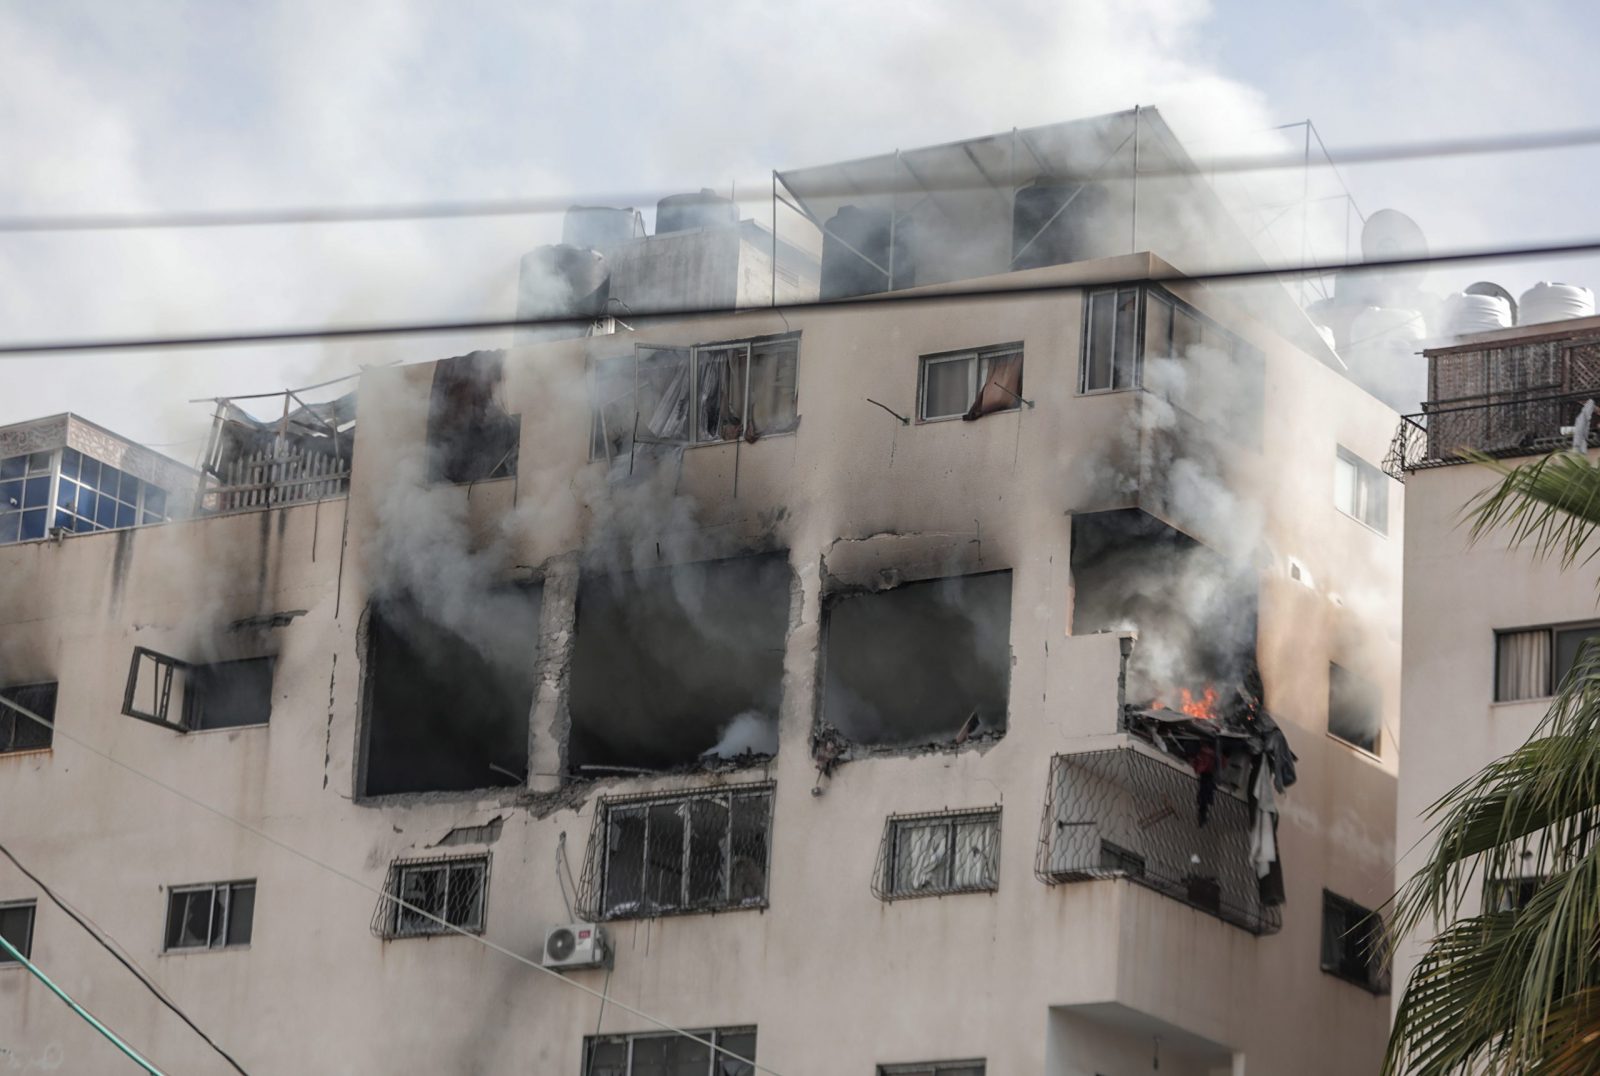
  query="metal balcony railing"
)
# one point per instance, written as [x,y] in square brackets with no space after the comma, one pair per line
[1120,813]
[1503,424]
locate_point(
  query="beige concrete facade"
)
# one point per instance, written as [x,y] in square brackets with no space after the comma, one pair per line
[1084,978]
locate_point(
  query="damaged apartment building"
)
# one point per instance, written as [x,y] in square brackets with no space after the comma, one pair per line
[983,682]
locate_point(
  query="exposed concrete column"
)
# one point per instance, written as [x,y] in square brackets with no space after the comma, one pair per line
[550,722]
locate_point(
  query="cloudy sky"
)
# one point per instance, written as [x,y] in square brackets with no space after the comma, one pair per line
[140,105]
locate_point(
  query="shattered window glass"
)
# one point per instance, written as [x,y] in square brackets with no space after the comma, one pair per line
[449,889]
[20,733]
[931,854]
[210,916]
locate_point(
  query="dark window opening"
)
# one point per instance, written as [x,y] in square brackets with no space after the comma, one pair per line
[20,733]
[420,893]
[926,662]
[1194,610]
[210,916]
[185,696]
[1355,708]
[670,665]
[652,1054]
[934,1068]
[470,435]
[448,705]
[1114,857]
[16,927]
[1352,943]
[1510,894]
[677,853]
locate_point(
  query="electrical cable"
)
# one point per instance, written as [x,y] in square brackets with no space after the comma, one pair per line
[380,893]
[526,206]
[928,293]
[105,941]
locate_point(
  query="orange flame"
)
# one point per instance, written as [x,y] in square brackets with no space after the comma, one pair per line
[1203,706]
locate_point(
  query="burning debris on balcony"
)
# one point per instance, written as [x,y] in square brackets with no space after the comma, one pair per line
[445,711]
[679,667]
[922,663]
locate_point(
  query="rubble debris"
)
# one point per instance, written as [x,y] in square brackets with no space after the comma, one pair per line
[920,663]
[302,454]
[671,665]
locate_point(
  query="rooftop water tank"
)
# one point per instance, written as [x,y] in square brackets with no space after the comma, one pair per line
[1555,302]
[855,253]
[1469,313]
[683,212]
[600,227]
[560,280]
[1489,287]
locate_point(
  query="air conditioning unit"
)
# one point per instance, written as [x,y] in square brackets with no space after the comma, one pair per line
[575,945]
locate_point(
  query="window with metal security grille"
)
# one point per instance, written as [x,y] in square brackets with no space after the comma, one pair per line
[16,927]
[1352,943]
[672,1055]
[19,732]
[1361,490]
[223,694]
[1532,663]
[926,855]
[934,1068]
[967,384]
[679,853]
[1355,708]
[696,395]
[213,916]
[420,893]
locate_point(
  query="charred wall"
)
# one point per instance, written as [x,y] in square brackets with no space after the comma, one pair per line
[671,664]
[440,713]
[916,663]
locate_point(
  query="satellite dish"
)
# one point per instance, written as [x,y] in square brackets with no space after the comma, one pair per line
[1389,234]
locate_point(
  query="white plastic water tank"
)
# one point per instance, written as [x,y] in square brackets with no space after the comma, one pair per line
[1467,313]
[1555,302]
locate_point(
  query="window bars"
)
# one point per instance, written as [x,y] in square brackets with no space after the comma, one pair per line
[940,852]
[655,1054]
[1121,813]
[677,853]
[454,889]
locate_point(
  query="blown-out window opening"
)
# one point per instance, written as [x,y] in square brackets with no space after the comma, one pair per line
[19,732]
[187,696]
[679,853]
[16,927]
[937,853]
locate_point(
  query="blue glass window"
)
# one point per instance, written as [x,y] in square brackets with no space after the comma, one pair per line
[105,511]
[86,502]
[155,500]
[66,493]
[69,462]
[89,473]
[13,467]
[10,495]
[126,515]
[36,492]
[39,462]
[33,523]
[8,526]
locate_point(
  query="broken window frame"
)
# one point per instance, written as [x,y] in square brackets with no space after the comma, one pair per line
[24,945]
[888,885]
[717,1064]
[1353,680]
[393,920]
[1368,501]
[980,365]
[1341,953]
[223,897]
[38,737]
[604,373]
[606,837]
[192,715]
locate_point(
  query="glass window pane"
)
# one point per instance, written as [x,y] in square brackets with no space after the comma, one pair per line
[34,523]
[774,387]
[719,387]
[1102,320]
[10,524]
[11,494]
[82,526]
[686,1057]
[608,1057]
[105,511]
[86,500]
[1344,485]
[664,403]
[66,493]
[110,478]
[1157,326]
[1375,498]
[241,914]
[16,926]
[1186,333]
[128,489]
[36,492]
[39,462]
[151,517]
[921,856]
[63,520]
[189,919]
[125,515]
[743,1045]
[89,472]
[69,462]
[976,851]
[1568,643]
[13,467]
[155,500]
[1126,374]
[946,387]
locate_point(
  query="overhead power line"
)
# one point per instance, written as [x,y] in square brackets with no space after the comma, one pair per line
[931,293]
[528,206]
[381,893]
[106,943]
[89,1018]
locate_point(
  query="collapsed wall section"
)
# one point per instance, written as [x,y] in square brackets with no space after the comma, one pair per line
[925,662]
[670,665]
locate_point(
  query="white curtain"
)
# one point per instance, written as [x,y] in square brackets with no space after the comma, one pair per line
[920,852]
[974,865]
[1522,666]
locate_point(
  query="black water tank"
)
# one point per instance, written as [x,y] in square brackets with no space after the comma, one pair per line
[846,272]
[561,280]
[681,212]
[1040,235]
